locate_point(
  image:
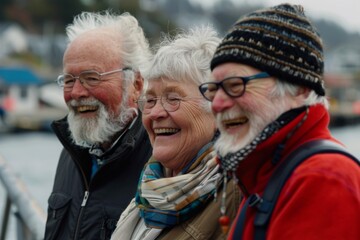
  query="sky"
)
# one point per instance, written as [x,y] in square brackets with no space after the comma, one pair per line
[344,12]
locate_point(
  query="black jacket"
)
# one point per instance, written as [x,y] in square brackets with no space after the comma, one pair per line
[80,208]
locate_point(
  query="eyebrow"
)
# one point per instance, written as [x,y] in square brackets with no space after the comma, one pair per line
[149,92]
[168,90]
[175,89]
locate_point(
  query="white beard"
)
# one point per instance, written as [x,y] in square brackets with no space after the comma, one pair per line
[258,120]
[89,131]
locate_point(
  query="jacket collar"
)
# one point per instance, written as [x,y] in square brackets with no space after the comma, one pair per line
[128,140]
[254,172]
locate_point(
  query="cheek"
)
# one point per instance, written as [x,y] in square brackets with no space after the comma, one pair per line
[67,97]
[199,122]
[261,111]
[253,102]
[111,99]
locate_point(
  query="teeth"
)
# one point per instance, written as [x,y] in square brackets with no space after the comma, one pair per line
[166,130]
[235,121]
[86,108]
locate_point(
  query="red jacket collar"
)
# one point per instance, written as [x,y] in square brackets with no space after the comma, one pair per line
[254,172]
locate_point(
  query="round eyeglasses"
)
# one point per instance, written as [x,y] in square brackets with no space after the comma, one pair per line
[170,102]
[88,79]
[232,86]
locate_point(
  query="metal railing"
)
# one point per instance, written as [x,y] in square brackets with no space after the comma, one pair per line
[30,218]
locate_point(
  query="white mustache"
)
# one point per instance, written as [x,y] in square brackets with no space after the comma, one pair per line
[89,102]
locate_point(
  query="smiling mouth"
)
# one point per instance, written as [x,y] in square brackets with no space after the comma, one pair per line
[86,109]
[166,131]
[235,122]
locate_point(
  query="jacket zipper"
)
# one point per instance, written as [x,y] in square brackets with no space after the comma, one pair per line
[86,196]
[87,188]
[83,204]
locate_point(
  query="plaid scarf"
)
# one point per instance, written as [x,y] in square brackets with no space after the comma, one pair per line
[167,201]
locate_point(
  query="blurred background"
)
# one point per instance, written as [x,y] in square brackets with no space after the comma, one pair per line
[32,42]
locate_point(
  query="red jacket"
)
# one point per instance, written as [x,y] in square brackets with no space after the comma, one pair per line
[320,200]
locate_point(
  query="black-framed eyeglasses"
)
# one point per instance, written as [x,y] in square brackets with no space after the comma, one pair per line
[88,79]
[232,86]
[170,102]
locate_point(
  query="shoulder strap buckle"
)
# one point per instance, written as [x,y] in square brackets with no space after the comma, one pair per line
[254,200]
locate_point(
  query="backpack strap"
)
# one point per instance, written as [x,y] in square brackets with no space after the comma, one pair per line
[266,204]
[281,174]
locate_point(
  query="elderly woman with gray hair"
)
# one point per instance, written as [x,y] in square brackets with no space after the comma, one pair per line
[176,192]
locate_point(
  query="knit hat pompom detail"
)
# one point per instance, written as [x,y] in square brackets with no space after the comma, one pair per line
[279,40]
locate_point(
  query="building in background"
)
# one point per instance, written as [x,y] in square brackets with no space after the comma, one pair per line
[27,102]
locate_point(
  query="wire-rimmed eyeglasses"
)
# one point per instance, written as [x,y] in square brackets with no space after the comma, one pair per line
[88,79]
[232,86]
[170,102]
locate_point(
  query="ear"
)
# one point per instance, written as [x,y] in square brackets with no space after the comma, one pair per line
[301,95]
[138,84]
[303,91]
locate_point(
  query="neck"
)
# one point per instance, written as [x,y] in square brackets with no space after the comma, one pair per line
[118,136]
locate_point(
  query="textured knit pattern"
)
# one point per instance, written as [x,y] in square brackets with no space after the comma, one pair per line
[279,40]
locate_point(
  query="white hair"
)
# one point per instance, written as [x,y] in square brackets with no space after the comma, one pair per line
[133,48]
[185,58]
[283,87]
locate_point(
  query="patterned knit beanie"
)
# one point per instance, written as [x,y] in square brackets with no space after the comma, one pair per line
[280,41]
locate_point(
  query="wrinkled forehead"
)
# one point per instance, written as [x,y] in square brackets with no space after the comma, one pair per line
[160,86]
[94,46]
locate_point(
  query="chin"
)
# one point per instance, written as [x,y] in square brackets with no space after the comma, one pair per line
[160,153]
[82,130]
[226,143]
[86,132]
[230,143]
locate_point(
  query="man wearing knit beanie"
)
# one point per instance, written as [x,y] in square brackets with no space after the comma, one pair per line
[268,97]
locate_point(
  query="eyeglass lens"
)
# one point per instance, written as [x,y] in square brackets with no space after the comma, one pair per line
[88,79]
[232,86]
[170,103]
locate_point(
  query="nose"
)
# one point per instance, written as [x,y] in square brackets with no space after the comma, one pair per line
[158,111]
[79,91]
[221,101]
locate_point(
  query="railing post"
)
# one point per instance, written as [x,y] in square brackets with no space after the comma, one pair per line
[22,231]
[5,219]
[28,209]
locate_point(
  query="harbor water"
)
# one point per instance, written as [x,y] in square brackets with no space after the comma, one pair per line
[33,156]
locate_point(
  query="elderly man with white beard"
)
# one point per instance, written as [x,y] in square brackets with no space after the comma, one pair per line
[105,144]
[268,96]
